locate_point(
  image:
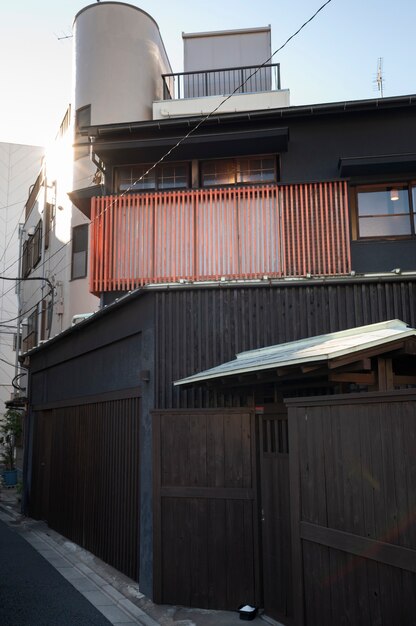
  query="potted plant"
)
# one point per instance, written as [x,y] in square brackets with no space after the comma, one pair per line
[10,431]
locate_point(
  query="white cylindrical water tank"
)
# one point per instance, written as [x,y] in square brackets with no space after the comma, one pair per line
[119,57]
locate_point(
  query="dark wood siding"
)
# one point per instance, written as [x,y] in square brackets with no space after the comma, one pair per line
[353,496]
[86,477]
[205,523]
[199,328]
[275,515]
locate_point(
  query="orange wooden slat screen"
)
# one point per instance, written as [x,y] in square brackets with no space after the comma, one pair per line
[204,234]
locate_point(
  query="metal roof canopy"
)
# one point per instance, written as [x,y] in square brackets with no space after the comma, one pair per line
[318,349]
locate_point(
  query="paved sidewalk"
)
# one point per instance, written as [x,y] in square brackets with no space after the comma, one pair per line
[116,596]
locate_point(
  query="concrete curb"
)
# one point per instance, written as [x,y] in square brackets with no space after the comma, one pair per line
[116,596]
[65,557]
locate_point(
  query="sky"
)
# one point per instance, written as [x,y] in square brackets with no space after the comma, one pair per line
[333,59]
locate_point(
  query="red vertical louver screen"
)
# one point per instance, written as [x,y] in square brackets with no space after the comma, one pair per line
[205,234]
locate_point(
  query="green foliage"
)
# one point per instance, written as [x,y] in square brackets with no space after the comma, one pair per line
[10,431]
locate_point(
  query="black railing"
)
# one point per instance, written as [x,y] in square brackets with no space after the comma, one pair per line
[221,82]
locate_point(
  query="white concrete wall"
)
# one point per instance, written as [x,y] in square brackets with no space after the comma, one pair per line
[118,60]
[19,166]
[119,57]
[238,103]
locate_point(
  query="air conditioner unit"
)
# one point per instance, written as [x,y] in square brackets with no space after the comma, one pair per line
[80,317]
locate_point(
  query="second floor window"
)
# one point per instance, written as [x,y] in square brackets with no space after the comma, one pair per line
[162,177]
[32,250]
[31,338]
[79,251]
[386,211]
[244,170]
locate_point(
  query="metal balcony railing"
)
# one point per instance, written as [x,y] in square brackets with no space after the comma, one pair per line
[221,82]
[206,234]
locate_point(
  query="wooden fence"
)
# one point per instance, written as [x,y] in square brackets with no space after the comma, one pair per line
[353,499]
[206,518]
[86,463]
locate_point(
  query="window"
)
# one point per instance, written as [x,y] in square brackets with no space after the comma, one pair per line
[164,176]
[37,244]
[82,120]
[386,211]
[247,170]
[31,338]
[27,257]
[45,317]
[32,250]
[48,217]
[79,251]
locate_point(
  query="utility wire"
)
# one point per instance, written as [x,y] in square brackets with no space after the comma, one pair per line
[23,313]
[51,293]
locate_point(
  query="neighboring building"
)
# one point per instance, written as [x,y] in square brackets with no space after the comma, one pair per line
[19,165]
[56,233]
[268,224]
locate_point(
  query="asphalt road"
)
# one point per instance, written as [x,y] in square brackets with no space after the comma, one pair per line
[33,593]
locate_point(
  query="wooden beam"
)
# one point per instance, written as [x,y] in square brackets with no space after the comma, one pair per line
[364,547]
[410,346]
[401,379]
[357,366]
[365,354]
[354,377]
[311,368]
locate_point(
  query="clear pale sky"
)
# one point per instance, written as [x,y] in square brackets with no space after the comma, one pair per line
[332,59]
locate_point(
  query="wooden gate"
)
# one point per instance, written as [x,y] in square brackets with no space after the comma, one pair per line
[353,495]
[86,477]
[205,508]
[275,514]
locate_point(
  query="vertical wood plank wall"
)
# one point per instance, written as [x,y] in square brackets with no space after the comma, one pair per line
[86,462]
[353,497]
[200,328]
[275,515]
[205,525]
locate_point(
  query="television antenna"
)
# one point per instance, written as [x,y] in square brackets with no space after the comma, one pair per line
[379,77]
[60,38]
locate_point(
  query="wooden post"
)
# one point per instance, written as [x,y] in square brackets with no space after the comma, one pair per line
[385,374]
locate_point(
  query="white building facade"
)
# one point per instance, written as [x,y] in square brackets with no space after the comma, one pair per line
[19,165]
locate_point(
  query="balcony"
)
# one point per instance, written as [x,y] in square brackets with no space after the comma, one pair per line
[200,92]
[221,82]
[205,234]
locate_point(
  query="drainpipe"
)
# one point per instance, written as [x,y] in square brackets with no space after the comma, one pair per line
[19,306]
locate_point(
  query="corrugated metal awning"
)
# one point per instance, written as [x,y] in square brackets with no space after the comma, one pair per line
[311,350]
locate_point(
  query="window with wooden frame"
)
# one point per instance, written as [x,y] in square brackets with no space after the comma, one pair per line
[163,177]
[79,251]
[31,338]
[251,170]
[82,120]
[45,316]
[37,244]
[384,211]
[32,250]
[27,257]
[48,218]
